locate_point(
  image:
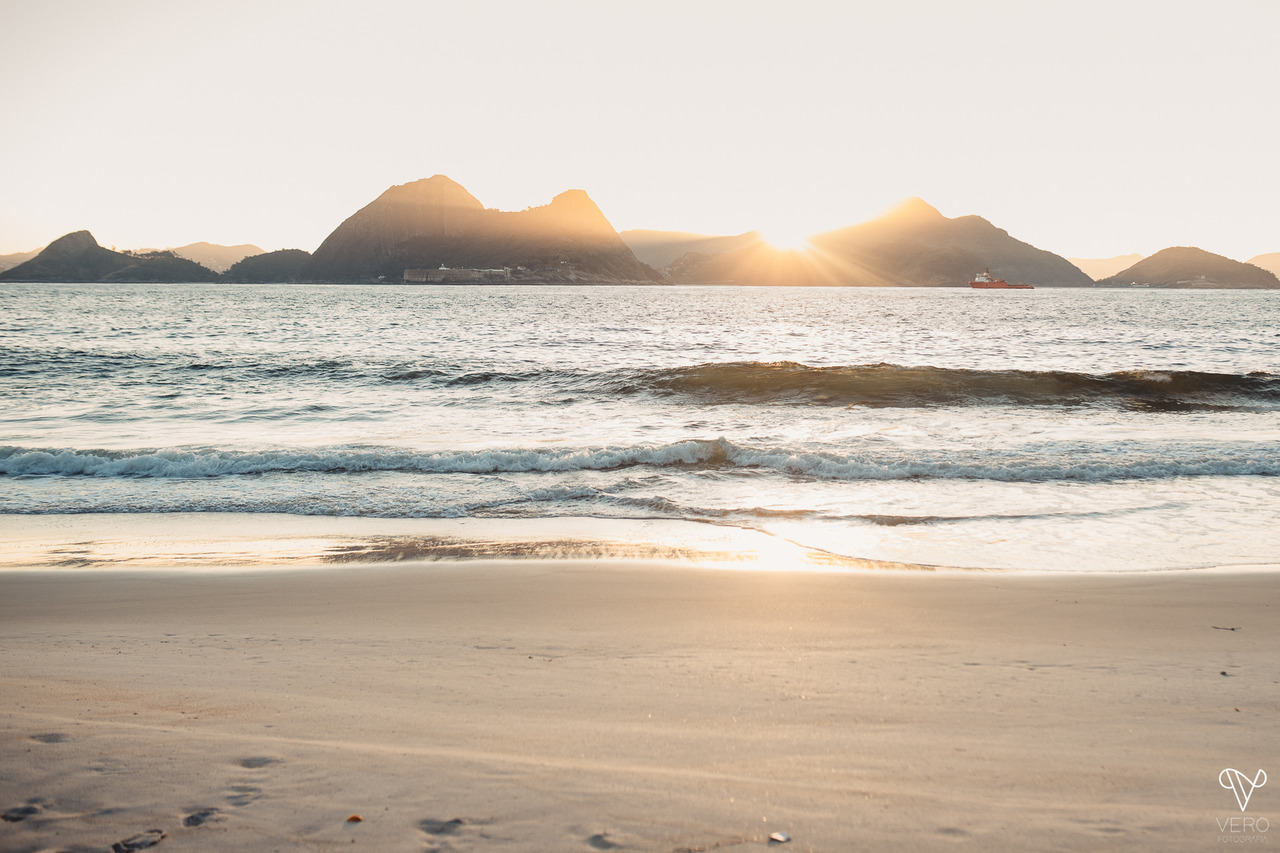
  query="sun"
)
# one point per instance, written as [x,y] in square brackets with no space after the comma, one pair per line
[788,237]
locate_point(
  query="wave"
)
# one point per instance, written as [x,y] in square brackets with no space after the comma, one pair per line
[743,382]
[889,385]
[1038,463]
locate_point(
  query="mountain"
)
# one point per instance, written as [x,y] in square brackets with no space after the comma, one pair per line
[660,248]
[1270,262]
[1099,268]
[8,262]
[72,257]
[215,257]
[162,267]
[271,267]
[912,245]
[1188,267]
[435,222]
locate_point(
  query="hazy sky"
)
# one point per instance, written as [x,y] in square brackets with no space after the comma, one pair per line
[1087,128]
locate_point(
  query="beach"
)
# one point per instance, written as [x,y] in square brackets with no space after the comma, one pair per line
[636,569]
[631,704]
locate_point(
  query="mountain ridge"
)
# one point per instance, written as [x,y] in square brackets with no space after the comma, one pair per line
[911,245]
[1188,267]
[435,222]
[659,249]
[1269,262]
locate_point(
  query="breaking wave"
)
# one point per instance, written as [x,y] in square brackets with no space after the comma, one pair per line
[742,382]
[1039,463]
[887,385]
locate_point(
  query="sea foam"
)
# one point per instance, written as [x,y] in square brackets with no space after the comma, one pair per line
[1034,463]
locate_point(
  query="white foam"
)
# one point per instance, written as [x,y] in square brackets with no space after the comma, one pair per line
[1095,463]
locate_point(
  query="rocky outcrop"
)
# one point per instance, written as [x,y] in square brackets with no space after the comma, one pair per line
[435,222]
[914,245]
[1189,267]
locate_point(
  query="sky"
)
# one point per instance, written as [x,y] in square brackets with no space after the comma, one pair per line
[1090,129]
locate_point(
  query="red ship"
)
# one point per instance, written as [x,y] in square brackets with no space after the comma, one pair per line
[987,281]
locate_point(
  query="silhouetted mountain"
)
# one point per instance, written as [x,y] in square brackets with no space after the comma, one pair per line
[164,267]
[435,222]
[1100,268]
[72,257]
[1189,267]
[1269,262]
[8,262]
[661,248]
[215,257]
[912,245]
[272,267]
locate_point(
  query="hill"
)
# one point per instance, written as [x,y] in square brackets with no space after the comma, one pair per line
[8,262]
[661,248]
[72,257]
[434,222]
[1099,268]
[1189,267]
[913,245]
[216,257]
[162,267]
[283,266]
[1269,262]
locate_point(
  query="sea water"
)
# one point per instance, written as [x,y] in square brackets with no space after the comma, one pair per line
[1049,429]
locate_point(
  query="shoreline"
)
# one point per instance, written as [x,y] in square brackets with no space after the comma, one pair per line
[127,541]
[263,541]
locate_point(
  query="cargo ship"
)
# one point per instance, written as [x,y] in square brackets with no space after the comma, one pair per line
[987,281]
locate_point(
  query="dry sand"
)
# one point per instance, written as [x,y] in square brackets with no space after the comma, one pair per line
[562,705]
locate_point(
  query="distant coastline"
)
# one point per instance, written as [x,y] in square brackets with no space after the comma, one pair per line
[433,231]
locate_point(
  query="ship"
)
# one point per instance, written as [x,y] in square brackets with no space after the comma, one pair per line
[986,281]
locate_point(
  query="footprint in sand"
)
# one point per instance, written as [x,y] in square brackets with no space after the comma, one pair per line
[201,817]
[441,827]
[438,829]
[52,737]
[141,841]
[242,795]
[257,761]
[109,766]
[22,812]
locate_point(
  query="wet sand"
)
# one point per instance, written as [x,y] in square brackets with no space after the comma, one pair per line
[597,704]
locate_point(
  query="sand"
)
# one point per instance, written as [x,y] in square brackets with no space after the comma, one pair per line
[598,704]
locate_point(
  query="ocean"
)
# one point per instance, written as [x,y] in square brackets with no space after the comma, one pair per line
[1079,430]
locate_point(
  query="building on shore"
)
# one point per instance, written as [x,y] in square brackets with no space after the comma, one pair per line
[449,275]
